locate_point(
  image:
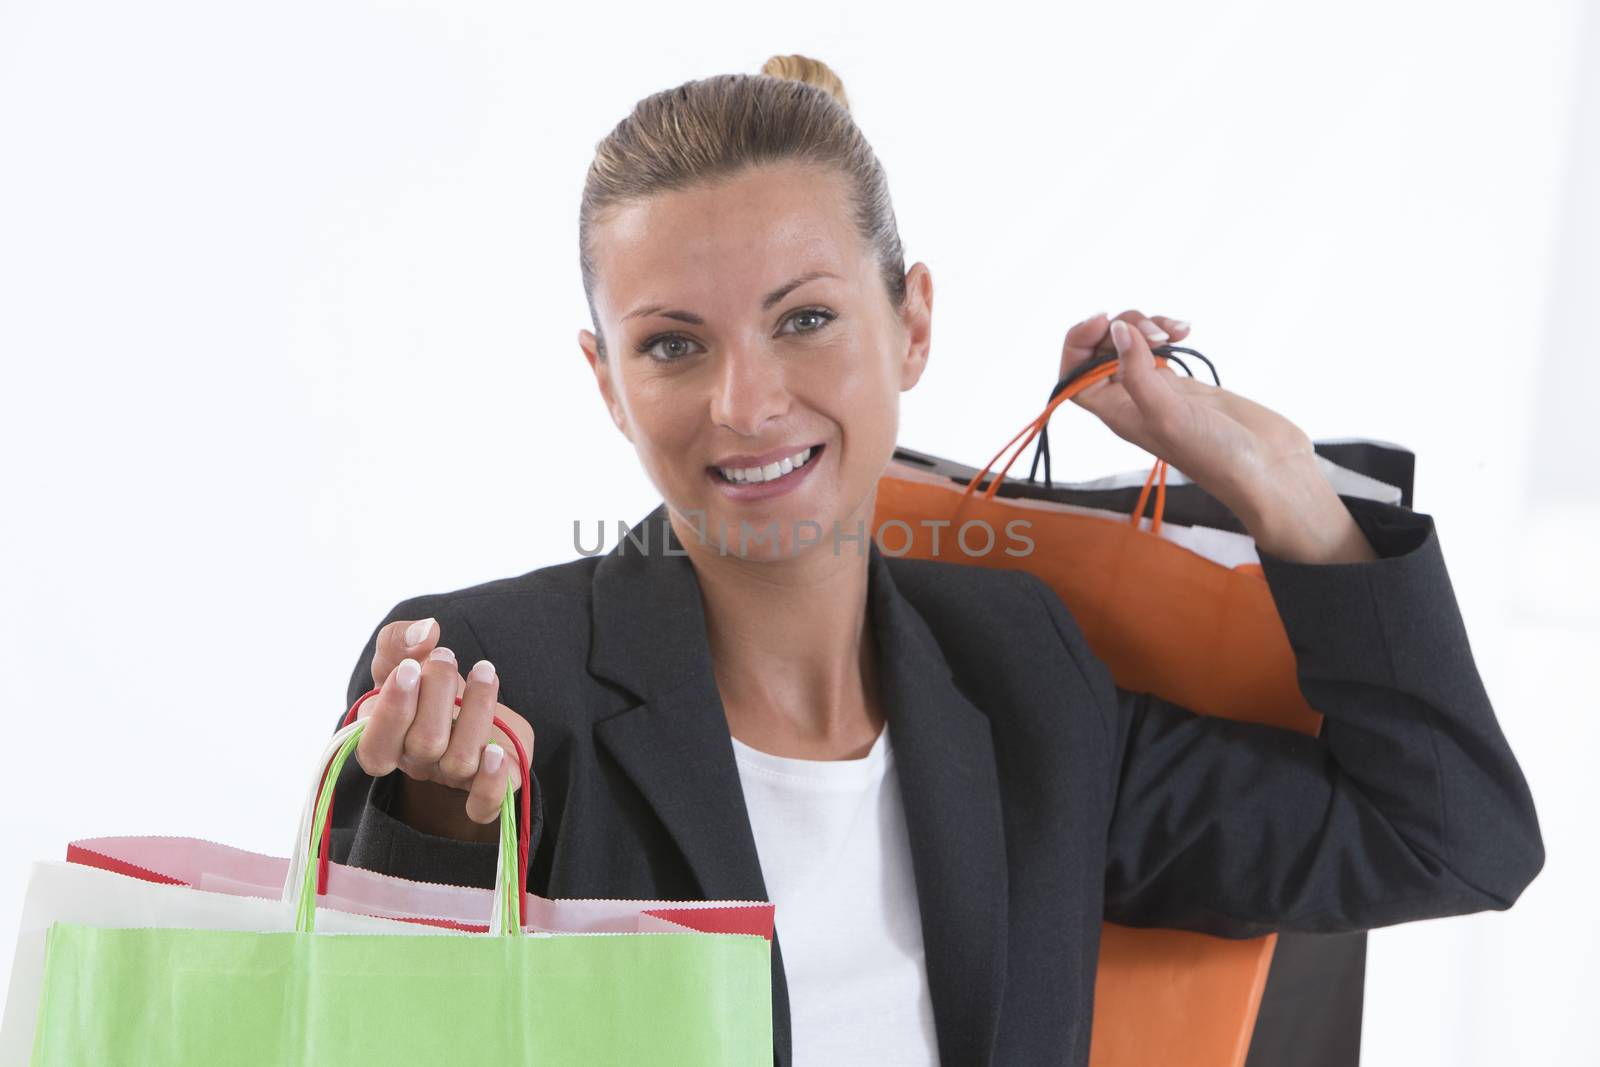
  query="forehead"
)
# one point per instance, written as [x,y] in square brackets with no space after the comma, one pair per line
[729,238]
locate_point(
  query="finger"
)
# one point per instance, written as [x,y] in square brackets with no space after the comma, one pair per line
[429,734]
[1149,389]
[388,716]
[1081,342]
[1154,334]
[489,786]
[401,639]
[1114,407]
[1177,329]
[524,734]
[474,724]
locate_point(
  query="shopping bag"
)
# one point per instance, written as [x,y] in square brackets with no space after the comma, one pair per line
[219,868]
[1137,585]
[59,892]
[305,994]
[76,892]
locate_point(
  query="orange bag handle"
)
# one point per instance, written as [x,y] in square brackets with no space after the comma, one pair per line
[1084,375]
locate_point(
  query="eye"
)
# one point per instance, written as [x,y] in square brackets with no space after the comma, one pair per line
[648,346]
[822,316]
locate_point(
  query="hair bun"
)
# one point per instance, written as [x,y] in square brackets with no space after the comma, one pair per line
[811,71]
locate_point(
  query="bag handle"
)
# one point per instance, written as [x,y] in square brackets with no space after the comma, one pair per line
[524,822]
[300,883]
[1085,374]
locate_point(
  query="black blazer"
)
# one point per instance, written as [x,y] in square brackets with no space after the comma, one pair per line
[1040,797]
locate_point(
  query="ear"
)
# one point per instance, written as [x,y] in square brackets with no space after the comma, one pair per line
[917,318]
[602,373]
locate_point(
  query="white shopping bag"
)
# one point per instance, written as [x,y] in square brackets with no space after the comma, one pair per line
[185,883]
[71,892]
[221,868]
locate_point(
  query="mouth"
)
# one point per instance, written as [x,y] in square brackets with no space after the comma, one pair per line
[783,471]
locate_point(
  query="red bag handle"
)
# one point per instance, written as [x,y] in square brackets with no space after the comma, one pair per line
[524,821]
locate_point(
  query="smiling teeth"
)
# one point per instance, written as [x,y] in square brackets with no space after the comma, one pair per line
[767,473]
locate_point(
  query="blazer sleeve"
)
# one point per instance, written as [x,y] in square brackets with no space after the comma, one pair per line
[365,834]
[1408,805]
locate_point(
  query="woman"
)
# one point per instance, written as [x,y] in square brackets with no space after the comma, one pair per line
[921,763]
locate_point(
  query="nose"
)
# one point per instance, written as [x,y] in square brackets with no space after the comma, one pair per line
[750,389]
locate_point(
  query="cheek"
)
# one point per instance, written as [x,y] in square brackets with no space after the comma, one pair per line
[661,415]
[859,392]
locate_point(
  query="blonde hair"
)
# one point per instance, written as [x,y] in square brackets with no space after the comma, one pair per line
[710,129]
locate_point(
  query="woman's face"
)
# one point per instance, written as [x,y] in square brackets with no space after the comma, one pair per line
[746,323]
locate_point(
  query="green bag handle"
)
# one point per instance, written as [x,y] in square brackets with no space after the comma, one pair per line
[505,919]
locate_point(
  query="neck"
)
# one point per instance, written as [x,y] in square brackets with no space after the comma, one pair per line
[792,646]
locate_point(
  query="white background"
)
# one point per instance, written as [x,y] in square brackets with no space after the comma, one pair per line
[289,302]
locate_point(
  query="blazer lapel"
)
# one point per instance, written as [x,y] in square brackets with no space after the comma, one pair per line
[951,789]
[649,636]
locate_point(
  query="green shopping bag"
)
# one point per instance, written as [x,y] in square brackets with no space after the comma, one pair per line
[208,997]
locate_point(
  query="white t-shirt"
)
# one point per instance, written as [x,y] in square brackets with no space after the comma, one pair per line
[831,836]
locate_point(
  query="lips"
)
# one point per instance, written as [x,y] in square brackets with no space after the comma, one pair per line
[749,492]
[752,473]
[761,459]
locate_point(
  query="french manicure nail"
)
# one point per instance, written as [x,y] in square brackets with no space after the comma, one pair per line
[492,755]
[1119,334]
[1152,331]
[1179,324]
[482,671]
[406,675]
[418,631]
[1091,318]
[442,653]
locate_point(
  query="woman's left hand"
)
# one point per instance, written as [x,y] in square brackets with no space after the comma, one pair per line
[1231,447]
[1090,338]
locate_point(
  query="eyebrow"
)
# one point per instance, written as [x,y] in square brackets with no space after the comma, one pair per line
[766,302]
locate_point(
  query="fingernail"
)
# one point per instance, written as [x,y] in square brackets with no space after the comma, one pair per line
[1180,325]
[1152,331]
[442,653]
[1091,318]
[418,631]
[1120,335]
[492,755]
[482,671]
[406,675]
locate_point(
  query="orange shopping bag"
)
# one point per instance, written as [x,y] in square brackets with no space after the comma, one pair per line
[1134,583]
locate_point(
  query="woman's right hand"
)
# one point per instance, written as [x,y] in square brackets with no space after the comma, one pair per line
[413,726]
